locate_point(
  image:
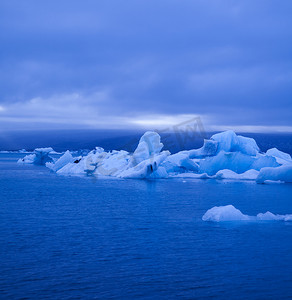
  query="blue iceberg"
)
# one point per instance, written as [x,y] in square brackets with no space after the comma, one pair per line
[224,156]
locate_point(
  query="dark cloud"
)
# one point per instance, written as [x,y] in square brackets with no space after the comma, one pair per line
[229,61]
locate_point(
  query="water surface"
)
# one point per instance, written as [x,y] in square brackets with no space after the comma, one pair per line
[80,237]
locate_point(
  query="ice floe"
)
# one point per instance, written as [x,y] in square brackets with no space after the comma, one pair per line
[230,213]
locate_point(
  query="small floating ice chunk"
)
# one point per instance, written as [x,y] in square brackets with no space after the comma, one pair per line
[273,182]
[22,151]
[224,213]
[268,216]
[230,213]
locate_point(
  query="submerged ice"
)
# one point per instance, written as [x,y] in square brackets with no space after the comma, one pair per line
[230,213]
[224,156]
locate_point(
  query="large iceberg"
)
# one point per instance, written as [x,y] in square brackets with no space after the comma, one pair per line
[145,162]
[230,213]
[224,156]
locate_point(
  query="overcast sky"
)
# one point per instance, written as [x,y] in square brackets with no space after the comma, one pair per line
[123,64]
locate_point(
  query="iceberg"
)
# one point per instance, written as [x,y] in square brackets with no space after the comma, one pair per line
[143,163]
[230,213]
[224,156]
[40,156]
[224,213]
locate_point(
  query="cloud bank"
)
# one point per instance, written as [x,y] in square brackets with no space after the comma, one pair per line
[111,64]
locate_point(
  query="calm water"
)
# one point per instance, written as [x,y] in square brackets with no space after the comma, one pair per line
[75,237]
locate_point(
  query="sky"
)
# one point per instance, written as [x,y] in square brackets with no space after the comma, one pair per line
[144,63]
